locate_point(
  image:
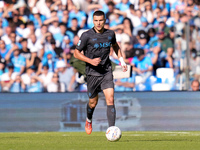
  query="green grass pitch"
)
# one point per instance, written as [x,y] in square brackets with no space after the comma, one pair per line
[136,140]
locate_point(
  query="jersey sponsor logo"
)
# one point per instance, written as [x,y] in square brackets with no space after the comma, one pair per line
[79,43]
[101,45]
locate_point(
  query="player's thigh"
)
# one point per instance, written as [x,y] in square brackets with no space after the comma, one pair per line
[109,96]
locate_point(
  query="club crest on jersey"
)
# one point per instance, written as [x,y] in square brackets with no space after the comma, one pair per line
[100,45]
[109,37]
[79,43]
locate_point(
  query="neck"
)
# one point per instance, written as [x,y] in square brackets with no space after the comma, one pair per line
[99,31]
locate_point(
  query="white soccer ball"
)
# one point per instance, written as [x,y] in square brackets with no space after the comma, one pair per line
[113,133]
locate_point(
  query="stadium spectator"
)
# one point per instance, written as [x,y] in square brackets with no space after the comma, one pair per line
[148,11]
[26,77]
[195,85]
[131,14]
[6,78]
[194,64]
[17,59]
[74,27]
[111,7]
[45,77]
[66,75]
[55,85]
[16,85]
[33,42]
[57,51]
[46,41]
[162,26]
[41,32]
[142,65]
[37,18]
[65,16]
[78,14]
[3,50]
[49,60]
[29,30]
[142,41]
[53,23]
[165,7]
[34,60]
[123,5]
[166,46]
[59,36]
[34,86]
[13,41]
[6,36]
[3,68]
[125,84]
[25,51]
[144,26]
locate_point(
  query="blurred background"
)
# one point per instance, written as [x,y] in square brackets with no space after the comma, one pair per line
[160,40]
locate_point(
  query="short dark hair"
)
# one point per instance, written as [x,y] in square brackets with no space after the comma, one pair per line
[99,13]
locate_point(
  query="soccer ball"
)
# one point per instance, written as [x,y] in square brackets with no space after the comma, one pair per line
[113,133]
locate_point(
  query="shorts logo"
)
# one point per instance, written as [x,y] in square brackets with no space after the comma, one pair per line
[79,43]
[89,94]
[113,110]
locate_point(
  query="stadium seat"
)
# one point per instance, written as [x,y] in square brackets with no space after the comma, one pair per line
[161,87]
[165,73]
[138,79]
[167,76]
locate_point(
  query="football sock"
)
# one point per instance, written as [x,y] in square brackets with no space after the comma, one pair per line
[111,115]
[89,113]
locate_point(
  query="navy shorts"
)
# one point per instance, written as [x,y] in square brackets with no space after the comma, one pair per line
[96,84]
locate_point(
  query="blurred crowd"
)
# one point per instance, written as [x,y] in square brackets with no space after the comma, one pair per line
[38,37]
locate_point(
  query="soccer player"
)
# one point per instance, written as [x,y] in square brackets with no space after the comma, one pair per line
[96,44]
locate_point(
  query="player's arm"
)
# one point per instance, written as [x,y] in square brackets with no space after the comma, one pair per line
[80,56]
[118,52]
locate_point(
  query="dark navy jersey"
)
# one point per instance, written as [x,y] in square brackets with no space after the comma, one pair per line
[96,45]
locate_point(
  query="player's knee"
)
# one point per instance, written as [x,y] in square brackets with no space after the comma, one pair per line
[110,101]
[92,104]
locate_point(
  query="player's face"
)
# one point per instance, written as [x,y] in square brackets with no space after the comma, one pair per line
[99,22]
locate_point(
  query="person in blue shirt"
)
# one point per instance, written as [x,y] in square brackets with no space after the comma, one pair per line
[3,50]
[35,85]
[36,18]
[13,41]
[142,41]
[144,26]
[142,64]
[16,85]
[79,15]
[63,32]
[3,23]
[165,7]
[48,60]
[125,84]
[123,5]
[18,61]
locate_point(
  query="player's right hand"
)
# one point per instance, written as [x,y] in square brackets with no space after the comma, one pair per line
[95,61]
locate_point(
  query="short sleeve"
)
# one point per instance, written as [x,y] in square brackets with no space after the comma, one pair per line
[113,38]
[82,43]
